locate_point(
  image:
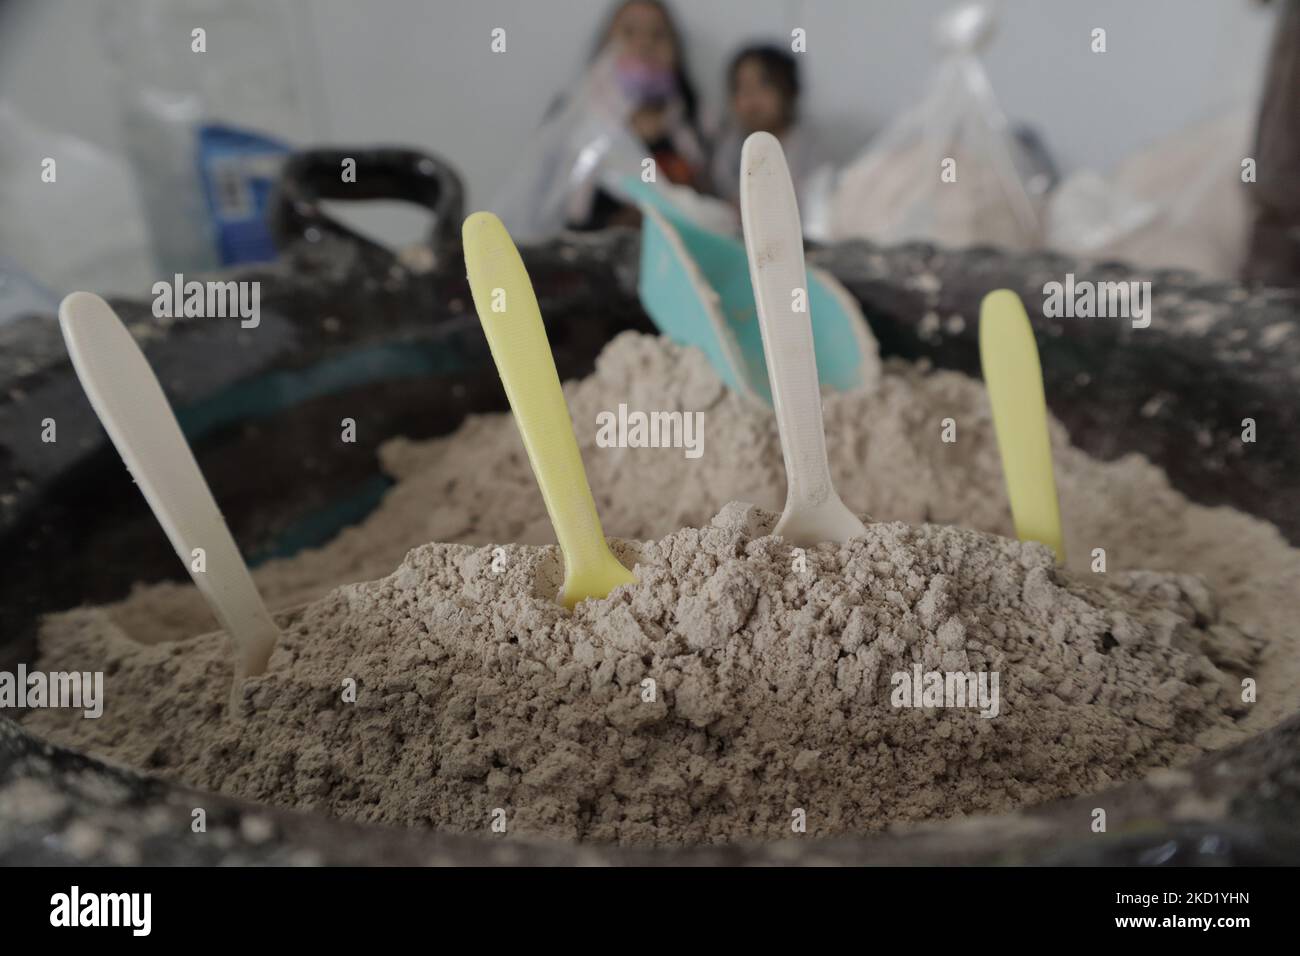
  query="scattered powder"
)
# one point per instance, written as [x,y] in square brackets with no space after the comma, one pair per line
[773,686]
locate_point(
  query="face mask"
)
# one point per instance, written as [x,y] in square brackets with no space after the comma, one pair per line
[643,83]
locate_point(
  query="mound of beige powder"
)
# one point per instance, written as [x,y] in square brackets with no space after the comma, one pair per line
[887,459]
[735,687]
[738,686]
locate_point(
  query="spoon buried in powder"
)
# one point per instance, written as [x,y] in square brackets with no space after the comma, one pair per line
[512,322]
[1014,378]
[774,243]
[126,396]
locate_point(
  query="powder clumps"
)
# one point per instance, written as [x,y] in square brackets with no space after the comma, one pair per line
[734,685]
[772,685]
[887,459]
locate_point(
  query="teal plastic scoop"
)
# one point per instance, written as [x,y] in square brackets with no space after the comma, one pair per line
[695,286]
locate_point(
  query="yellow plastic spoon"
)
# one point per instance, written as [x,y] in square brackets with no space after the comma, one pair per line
[507,307]
[1014,379]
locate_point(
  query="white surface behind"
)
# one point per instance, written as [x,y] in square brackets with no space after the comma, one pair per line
[420,71]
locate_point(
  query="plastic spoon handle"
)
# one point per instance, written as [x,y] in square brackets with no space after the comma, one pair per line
[774,243]
[1014,378]
[512,321]
[126,396]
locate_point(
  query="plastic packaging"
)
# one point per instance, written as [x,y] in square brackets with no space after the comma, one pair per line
[583,139]
[1180,203]
[84,229]
[197,123]
[894,191]
[22,295]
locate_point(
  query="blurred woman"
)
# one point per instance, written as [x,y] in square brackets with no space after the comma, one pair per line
[634,101]
[641,47]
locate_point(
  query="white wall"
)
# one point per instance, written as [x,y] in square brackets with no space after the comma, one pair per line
[420,71]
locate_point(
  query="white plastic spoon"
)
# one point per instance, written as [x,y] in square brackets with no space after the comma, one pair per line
[133,410]
[774,244]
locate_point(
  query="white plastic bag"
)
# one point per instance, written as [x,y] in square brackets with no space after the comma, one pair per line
[85,229]
[582,142]
[1180,203]
[206,135]
[585,145]
[894,191]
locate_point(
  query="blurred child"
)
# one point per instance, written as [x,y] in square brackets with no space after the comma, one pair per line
[763,91]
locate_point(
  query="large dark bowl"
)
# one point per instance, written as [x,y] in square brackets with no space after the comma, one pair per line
[349,329]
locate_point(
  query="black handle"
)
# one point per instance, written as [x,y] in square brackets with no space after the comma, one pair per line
[312,175]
